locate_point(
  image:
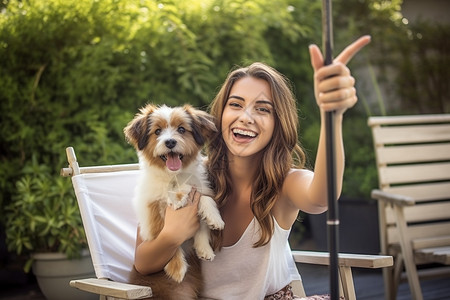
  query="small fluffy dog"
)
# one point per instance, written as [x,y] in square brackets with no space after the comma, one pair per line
[168,142]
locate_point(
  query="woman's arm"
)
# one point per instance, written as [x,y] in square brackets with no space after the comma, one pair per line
[334,91]
[179,226]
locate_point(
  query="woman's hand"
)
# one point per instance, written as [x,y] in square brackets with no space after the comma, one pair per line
[183,223]
[334,87]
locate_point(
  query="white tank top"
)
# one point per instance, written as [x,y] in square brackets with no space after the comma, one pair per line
[243,272]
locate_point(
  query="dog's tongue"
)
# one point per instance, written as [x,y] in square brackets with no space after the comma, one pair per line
[173,162]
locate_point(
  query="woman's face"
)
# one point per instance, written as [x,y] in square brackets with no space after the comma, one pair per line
[248,119]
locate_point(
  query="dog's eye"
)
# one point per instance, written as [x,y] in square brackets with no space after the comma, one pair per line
[181,130]
[158,131]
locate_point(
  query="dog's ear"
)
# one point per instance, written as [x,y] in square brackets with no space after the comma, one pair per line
[203,127]
[137,131]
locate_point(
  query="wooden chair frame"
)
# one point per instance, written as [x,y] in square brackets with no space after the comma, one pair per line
[117,290]
[413,162]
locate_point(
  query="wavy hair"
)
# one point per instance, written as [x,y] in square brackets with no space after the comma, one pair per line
[281,154]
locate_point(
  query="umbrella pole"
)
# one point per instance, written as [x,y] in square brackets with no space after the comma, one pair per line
[332,218]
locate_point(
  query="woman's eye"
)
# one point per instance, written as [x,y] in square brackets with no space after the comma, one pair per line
[234,104]
[263,110]
[158,131]
[181,130]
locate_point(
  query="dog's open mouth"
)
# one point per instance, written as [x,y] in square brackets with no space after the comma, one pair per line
[173,160]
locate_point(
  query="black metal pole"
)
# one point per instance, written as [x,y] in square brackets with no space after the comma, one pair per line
[332,219]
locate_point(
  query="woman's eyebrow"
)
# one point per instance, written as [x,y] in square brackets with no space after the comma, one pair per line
[236,97]
[264,102]
[257,101]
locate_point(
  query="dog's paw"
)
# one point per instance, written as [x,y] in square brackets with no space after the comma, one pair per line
[214,220]
[179,197]
[215,224]
[206,253]
[210,214]
[176,200]
[176,276]
[176,269]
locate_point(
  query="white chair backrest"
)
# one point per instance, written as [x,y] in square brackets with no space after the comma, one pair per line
[105,202]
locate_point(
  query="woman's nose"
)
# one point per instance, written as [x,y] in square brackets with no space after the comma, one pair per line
[246,117]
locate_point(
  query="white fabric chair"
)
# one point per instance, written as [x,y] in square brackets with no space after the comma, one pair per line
[104,195]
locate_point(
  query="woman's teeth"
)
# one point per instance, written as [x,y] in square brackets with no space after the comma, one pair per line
[244,132]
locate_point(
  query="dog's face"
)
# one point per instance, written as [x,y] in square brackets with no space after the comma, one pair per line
[168,137]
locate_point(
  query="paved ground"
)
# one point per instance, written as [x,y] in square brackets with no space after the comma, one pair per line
[369,284]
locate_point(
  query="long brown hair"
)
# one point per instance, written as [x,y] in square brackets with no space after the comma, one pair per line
[281,154]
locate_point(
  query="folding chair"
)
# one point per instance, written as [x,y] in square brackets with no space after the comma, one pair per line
[104,195]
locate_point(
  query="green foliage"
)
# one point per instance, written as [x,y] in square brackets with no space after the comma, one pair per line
[423,82]
[43,215]
[360,170]
[411,58]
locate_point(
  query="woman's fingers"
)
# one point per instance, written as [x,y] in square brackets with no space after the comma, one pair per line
[194,196]
[347,54]
[316,57]
[333,77]
[344,57]
[338,100]
[333,84]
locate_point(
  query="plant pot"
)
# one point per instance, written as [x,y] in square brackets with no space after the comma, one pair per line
[358,228]
[54,271]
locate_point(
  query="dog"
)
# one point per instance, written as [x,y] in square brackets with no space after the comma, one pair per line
[168,141]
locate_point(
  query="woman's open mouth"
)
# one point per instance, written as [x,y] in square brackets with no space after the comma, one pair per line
[242,135]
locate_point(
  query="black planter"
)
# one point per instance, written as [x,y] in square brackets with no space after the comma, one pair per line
[358,228]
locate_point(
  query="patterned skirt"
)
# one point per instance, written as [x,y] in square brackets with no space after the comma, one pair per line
[287,294]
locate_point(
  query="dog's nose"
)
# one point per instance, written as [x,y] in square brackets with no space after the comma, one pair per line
[171,143]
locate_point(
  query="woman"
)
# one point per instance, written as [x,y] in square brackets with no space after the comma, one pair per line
[259,187]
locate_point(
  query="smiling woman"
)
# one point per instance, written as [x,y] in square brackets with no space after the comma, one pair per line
[261,188]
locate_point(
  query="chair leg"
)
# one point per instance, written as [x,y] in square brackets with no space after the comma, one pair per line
[397,273]
[347,283]
[389,293]
[410,266]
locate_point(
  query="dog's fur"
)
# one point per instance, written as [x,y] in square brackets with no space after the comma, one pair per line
[168,142]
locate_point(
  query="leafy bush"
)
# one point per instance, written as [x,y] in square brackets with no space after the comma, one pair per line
[44,216]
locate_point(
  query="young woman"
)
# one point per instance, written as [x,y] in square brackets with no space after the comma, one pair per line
[257,170]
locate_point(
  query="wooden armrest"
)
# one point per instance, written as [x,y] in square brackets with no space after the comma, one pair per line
[347,260]
[393,198]
[431,242]
[112,288]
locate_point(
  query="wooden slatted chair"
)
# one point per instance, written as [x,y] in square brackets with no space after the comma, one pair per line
[413,161]
[104,195]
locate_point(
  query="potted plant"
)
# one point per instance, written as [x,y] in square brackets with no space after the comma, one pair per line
[43,224]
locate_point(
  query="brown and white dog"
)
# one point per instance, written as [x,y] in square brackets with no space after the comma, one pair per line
[169,142]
